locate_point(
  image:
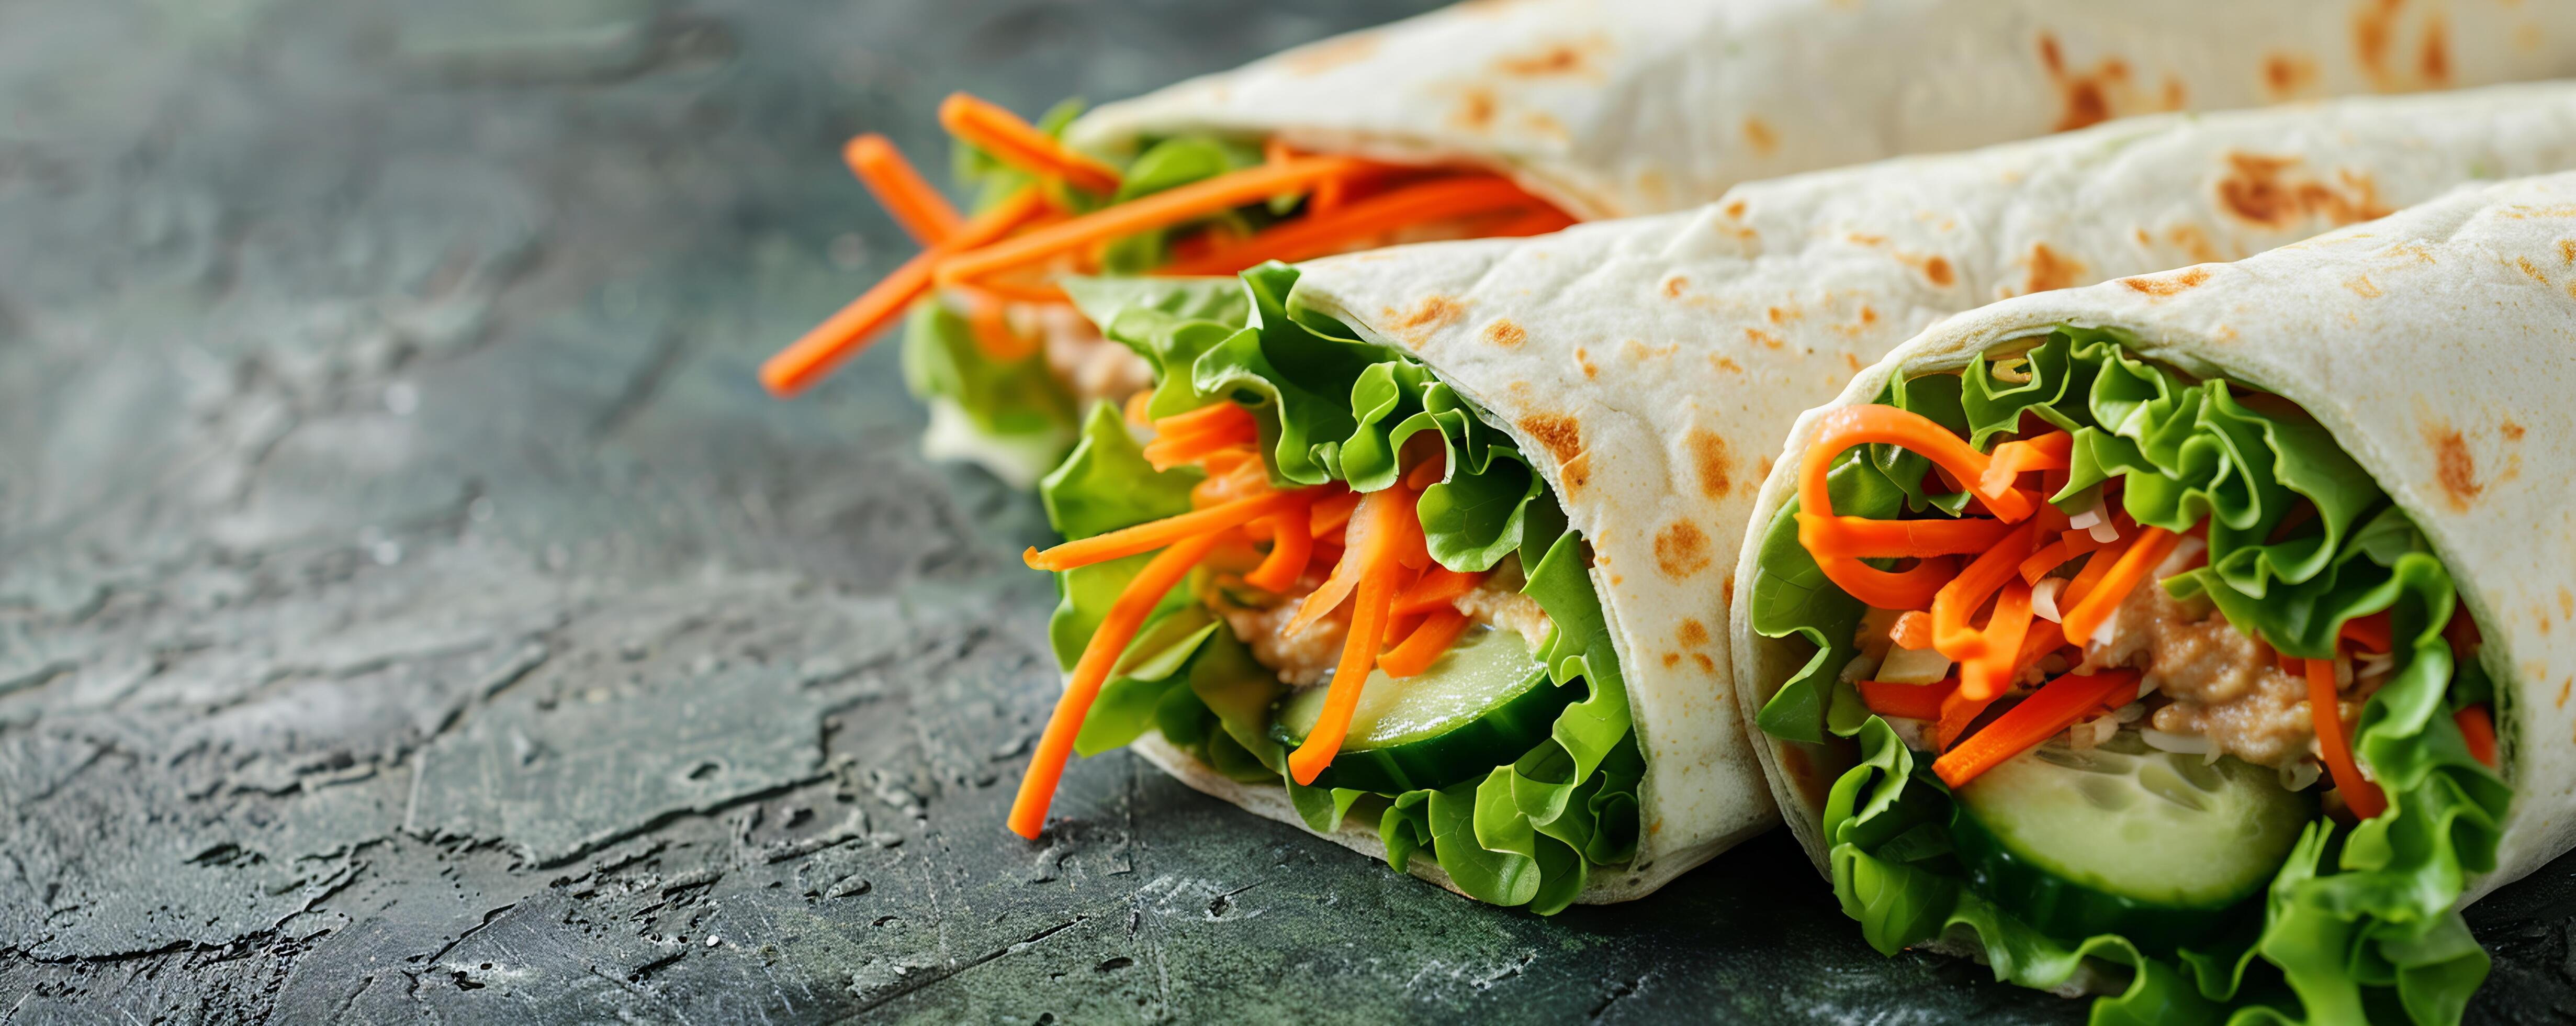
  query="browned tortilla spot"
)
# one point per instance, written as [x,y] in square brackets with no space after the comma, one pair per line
[1674,285]
[1694,634]
[1506,334]
[1583,359]
[2530,269]
[2257,189]
[2086,94]
[1735,209]
[2170,284]
[2453,466]
[1760,136]
[1766,339]
[1723,363]
[2567,250]
[1561,434]
[2436,59]
[1937,270]
[2176,97]
[1802,775]
[1681,549]
[1716,466]
[1672,659]
[1559,59]
[2195,242]
[1576,473]
[1707,665]
[2047,269]
[1475,110]
[2513,433]
[2372,27]
[2287,75]
[1329,54]
[1431,314]
[2362,286]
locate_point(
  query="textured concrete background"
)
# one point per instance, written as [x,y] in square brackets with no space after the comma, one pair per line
[411,609]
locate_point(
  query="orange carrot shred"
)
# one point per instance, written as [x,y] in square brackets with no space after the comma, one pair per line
[1363,221]
[809,358]
[2054,707]
[1425,644]
[2130,570]
[1427,473]
[1291,546]
[1154,534]
[1134,603]
[1958,712]
[1137,405]
[988,318]
[1913,629]
[1438,587]
[1167,452]
[1988,674]
[1334,511]
[1864,537]
[2368,633]
[1838,431]
[920,209]
[1378,540]
[2478,729]
[1912,701]
[1959,599]
[2327,717]
[1216,416]
[1536,222]
[2051,451]
[1145,213]
[1015,142]
[2049,557]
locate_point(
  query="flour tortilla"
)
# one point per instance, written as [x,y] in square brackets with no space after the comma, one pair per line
[1647,106]
[1650,367]
[2438,346]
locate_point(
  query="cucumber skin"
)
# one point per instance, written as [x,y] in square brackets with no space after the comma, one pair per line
[1469,752]
[2067,910]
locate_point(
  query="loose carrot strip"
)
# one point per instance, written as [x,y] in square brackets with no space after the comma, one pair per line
[1959,599]
[2130,570]
[2049,557]
[1154,534]
[1438,587]
[1865,537]
[1428,472]
[1020,144]
[1166,452]
[1137,405]
[2094,570]
[1334,511]
[1163,209]
[1425,644]
[1536,222]
[1912,701]
[2051,451]
[1232,474]
[1360,540]
[920,209]
[1382,532]
[1217,416]
[989,320]
[2368,633]
[1291,546]
[1841,429]
[2054,707]
[1364,221]
[809,358]
[1126,614]
[1274,151]
[1913,629]
[2327,717]
[1989,674]
[1958,711]
[1023,290]
[2478,729]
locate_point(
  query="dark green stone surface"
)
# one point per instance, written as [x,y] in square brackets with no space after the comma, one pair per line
[410,608]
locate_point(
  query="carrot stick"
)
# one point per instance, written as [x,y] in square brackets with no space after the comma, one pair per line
[2049,557]
[1360,540]
[1017,143]
[1839,430]
[1957,600]
[2327,717]
[1866,537]
[2132,569]
[1378,544]
[2368,633]
[1154,534]
[1332,512]
[920,209]
[1425,644]
[1912,630]
[1438,587]
[1166,453]
[2051,451]
[1126,614]
[1988,674]
[1536,222]
[2478,729]
[989,320]
[1172,206]
[1958,711]
[2054,707]
[809,358]
[1216,416]
[1136,406]
[1024,290]
[1912,701]
[1428,472]
[1290,548]
[1363,221]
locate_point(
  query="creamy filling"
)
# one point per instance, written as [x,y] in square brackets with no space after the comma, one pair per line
[1308,657]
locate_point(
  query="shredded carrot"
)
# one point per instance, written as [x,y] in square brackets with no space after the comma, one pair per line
[1015,142]
[2051,451]
[1274,151]
[2054,707]
[1146,213]
[1334,511]
[1154,534]
[920,209]
[1536,222]
[1428,472]
[1216,416]
[809,358]
[1841,429]
[1291,546]
[2049,557]
[2368,633]
[1438,587]
[1379,545]
[1865,537]
[1363,538]
[1958,712]
[1425,644]
[988,318]
[2290,664]
[1166,452]
[1912,701]
[1363,221]
[1099,655]
[1960,598]
[1913,629]
[2461,631]
[1025,290]
[2327,717]
[2130,570]
[1136,410]
[1989,673]
[1232,474]
[2478,729]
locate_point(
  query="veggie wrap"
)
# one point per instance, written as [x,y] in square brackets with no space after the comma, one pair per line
[2204,506]
[1629,378]
[1495,119]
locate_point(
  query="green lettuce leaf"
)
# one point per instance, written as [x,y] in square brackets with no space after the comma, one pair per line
[2357,926]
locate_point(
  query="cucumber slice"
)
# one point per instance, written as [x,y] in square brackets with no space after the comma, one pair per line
[1484,704]
[2125,839]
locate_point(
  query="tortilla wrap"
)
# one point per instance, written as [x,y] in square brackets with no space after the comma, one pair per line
[1649,367]
[2434,346]
[1623,109]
